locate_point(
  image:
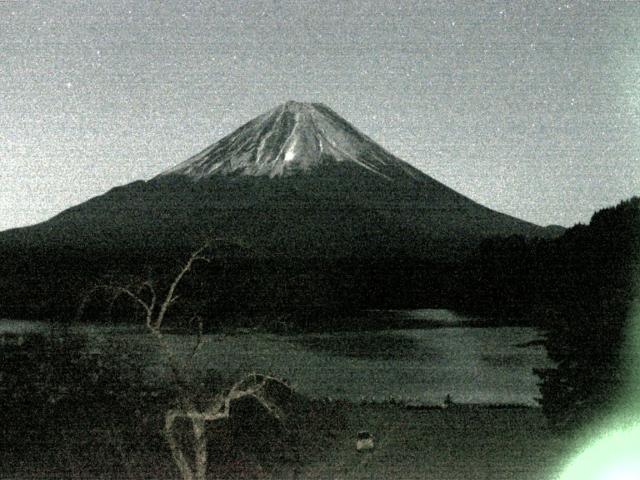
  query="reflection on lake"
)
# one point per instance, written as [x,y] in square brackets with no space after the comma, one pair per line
[473,365]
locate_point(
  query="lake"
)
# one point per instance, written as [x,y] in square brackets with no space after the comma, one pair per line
[421,365]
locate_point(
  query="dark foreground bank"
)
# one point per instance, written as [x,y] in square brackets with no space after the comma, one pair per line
[319,442]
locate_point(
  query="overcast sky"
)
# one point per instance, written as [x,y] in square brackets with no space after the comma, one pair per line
[531,108]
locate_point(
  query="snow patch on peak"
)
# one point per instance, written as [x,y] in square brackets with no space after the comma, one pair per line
[292,138]
[291,153]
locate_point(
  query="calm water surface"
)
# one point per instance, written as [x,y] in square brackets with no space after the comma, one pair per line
[472,364]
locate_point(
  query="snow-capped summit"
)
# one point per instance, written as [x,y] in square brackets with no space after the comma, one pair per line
[296,182]
[293,137]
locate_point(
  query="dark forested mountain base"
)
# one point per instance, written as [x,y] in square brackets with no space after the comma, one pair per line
[51,284]
[313,211]
[579,287]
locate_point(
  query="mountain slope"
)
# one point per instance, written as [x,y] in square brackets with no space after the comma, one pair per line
[326,217]
[293,137]
[298,181]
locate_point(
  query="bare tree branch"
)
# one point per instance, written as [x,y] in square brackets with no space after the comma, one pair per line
[170,297]
[251,386]
[117,291]
[152,290]
[200,334]
[136,299]
[179,458]
[219,407]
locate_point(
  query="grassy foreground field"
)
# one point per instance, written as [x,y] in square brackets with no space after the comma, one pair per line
[455,443]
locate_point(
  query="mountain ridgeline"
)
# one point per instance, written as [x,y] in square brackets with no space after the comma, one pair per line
[298,181]
[322,213]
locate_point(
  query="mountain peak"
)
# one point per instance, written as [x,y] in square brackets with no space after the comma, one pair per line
[295,137]
[298,107]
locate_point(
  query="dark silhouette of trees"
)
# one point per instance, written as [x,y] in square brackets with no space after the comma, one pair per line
[50,381]
[597,267]
[578,288]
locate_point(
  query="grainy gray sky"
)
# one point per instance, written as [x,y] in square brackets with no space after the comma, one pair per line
[531,108]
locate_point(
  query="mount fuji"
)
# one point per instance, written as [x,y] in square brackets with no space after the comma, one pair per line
[323,214]
[297,181]
[293,138]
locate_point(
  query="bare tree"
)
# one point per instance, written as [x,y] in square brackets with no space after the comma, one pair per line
[254,386]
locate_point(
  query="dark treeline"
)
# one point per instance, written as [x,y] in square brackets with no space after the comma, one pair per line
[50,283]
[579,288]
[536,280]
[510,280]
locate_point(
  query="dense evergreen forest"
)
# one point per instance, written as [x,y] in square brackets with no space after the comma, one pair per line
[577,287]
[512,280]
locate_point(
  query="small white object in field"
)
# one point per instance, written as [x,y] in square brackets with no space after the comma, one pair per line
[364,441]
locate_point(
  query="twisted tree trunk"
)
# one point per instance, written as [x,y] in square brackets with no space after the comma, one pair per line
[251,386]
[219,408]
